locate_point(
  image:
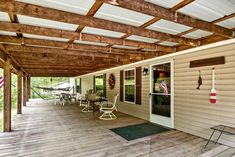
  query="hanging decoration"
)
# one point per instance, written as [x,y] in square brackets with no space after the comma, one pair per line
[111,81]
[199,80]
[213,91]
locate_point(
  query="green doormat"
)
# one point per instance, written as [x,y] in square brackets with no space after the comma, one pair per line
[133,132]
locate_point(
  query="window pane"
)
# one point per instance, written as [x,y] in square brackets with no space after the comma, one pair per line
[99,85]
[129,84]
[130,93]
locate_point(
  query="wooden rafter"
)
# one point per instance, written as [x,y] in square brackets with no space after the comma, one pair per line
[90,13]
[53,14]
[164,13]
[21,28]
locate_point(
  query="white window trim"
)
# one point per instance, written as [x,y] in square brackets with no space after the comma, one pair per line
[129,102]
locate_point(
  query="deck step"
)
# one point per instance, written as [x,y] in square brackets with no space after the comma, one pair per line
[214,151]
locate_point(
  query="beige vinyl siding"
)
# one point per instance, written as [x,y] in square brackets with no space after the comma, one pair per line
[193,112]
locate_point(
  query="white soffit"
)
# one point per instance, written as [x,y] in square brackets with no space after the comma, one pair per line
[209,10]
[125,47]
[197,34]
[102,32]
[142,39]
[229,23]
[168,27]
[168,43]
[44,37]
[4,17]
[165,3]
[7,33]
[46,23]
[73,6]
[121,15]
[90,43]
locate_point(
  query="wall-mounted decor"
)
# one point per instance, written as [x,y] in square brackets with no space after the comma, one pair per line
[111,81]
[207,62]
[213,91]
[199,80]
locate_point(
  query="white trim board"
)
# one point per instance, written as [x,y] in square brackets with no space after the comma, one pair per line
[200,48]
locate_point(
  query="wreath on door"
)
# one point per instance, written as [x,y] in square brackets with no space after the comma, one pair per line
[111,81]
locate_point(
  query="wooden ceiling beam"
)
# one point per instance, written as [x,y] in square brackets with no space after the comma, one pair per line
[57,15]
[60,51]
[21,28]
[167,14]
[90,13]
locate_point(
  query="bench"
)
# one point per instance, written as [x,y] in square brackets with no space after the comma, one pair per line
[223,130]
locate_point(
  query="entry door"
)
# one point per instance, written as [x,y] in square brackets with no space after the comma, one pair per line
[162,94]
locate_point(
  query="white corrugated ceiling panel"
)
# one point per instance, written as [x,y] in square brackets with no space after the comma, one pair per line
[7,33]
[197,34]
[165,3]
[102,32]
[44,37]
[90,43]
[46,23]
[142,39]
[209,10]
[168,43]
[121,15]
[168,27]
[74,6]
[125,47]
[229,23]
[4,17]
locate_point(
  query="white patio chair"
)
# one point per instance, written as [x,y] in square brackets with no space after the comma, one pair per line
[108,111]
[83,102]
[65,98]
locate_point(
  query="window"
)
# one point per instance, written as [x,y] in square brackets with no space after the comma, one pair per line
[78,88]
[129,85]
[99,85]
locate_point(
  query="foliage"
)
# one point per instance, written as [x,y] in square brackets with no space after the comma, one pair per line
[45,82]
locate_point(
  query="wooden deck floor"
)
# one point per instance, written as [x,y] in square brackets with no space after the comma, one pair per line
[48,130]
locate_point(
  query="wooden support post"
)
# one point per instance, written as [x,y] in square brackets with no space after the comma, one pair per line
[28,88]
[24,90]
[7,96]
[19,102]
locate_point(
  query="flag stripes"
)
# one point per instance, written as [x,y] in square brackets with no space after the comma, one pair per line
[1,81]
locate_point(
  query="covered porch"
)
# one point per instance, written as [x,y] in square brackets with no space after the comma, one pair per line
[170,63]
[46,129]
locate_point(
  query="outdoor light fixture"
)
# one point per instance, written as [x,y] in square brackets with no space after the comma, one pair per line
[145,71]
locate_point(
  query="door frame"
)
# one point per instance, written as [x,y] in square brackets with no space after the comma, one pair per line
[164,119]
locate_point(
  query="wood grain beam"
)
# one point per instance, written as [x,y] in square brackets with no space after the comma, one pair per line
[59,51]
[90,13]
[53,14]
[166,14]
[21,28]
[19,93]
[7,96]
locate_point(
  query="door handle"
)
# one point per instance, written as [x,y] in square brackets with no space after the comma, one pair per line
[150,94]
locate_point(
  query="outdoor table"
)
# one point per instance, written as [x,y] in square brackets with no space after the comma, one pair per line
[223,130]
[93,104]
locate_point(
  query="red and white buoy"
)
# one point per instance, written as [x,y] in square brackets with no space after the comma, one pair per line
[213,91]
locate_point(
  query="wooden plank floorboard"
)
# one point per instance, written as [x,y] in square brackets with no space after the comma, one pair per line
[46,129]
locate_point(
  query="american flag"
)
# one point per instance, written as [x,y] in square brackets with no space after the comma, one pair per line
[1,81]
[164,86]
